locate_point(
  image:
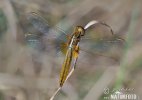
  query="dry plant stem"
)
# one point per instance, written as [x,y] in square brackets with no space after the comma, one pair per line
[55,93]
[72,70]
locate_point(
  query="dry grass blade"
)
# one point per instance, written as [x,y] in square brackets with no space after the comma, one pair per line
[53,96]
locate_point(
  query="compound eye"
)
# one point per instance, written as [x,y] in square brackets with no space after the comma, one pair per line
[82,33]
[81,30]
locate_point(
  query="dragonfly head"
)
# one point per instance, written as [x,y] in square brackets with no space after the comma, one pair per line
[79,30]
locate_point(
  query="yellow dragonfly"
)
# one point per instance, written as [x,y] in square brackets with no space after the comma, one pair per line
[95,38]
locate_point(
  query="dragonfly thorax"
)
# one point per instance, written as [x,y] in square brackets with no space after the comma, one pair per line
[76,36]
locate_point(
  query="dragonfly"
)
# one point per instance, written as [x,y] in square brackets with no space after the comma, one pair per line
[94,38]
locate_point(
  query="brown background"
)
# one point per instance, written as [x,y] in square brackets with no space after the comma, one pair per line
[22,78]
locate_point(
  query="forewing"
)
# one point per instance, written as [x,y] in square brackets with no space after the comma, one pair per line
[49,37]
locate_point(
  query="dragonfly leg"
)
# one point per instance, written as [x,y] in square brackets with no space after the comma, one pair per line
[76,52]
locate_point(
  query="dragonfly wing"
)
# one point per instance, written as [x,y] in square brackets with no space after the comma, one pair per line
[100,39]
[49,37]
[42,25]
[103,48]
[38,22]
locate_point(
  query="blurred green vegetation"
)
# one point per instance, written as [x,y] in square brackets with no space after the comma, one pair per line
[1,96]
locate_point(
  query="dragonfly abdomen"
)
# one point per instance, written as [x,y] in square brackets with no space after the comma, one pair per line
[66,66]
